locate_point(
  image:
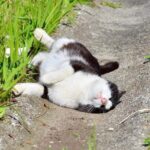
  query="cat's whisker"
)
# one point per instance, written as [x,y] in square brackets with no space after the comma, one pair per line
[85,108]
[91,109]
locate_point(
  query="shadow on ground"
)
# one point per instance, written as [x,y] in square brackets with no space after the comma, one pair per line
[121,34]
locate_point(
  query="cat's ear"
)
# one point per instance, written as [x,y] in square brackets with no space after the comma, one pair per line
[109,67]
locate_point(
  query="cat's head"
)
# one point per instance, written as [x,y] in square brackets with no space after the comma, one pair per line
[107,97]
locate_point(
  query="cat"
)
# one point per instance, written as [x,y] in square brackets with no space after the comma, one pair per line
[70,76]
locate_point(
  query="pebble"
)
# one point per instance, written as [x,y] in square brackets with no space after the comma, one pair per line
[110,129]
[51,142]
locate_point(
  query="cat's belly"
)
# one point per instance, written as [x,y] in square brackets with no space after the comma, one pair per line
[71,91]
[65,95]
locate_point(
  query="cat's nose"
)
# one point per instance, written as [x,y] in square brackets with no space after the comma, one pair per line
[103,101]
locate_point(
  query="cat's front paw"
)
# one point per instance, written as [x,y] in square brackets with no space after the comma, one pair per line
[36,60]
[48,79]
[17,89]
[39,33]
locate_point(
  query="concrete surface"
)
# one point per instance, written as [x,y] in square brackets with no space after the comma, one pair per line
[121,34]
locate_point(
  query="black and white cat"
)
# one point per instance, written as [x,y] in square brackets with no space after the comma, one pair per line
[70,76]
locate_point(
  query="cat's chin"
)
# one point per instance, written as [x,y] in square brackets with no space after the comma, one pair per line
[109,105]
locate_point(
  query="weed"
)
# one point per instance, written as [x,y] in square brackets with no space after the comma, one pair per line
[111,4]
[2,111]
[16,29]
[92,140]
[147,57]
[76,135]
[147,142]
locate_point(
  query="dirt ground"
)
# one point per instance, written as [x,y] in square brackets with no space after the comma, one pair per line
[121,34]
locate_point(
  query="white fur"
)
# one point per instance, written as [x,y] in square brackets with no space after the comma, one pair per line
[78,58]
[34,89]
[108,105]
[40,57]
[57,75]
[80,88]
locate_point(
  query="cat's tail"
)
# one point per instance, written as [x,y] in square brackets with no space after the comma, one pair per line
[109,67]
[43,37]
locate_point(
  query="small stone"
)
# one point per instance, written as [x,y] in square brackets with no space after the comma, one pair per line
[51,142]
[110,129]
[35,146]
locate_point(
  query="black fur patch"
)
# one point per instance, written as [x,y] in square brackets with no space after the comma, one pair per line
[108,67]
[79,49]
[78,65]
[114,92]
[45,93]
[93,66]
[91,109]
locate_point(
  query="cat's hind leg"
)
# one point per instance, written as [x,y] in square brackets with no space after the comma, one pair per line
[43,37]
[109,67]
[57,75]
[31,89]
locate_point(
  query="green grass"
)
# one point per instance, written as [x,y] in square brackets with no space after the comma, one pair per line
[147,57]
[92,140]
[147,143]
[111,4]
[18,19]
